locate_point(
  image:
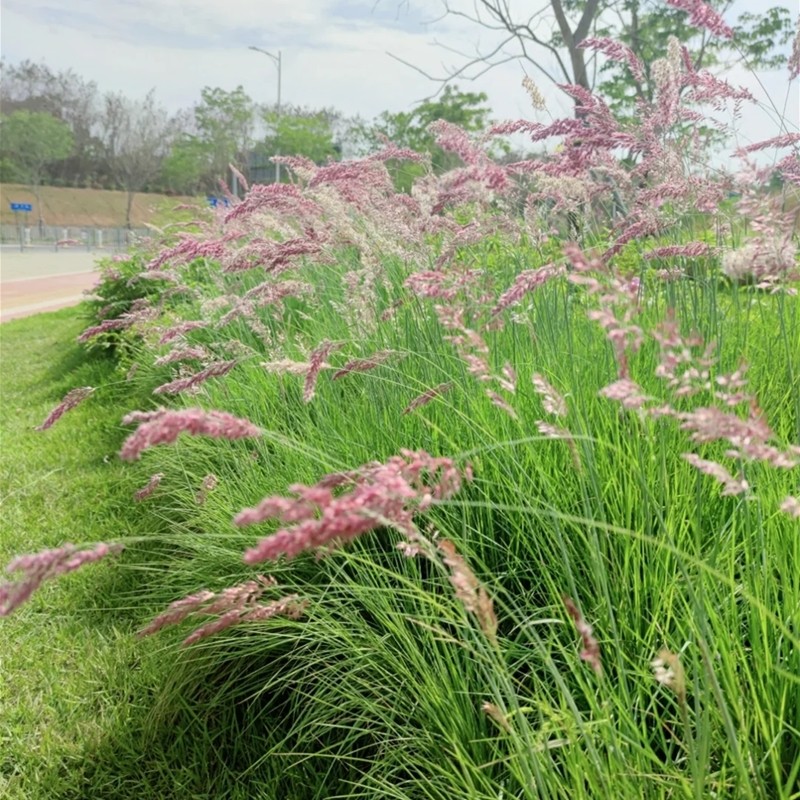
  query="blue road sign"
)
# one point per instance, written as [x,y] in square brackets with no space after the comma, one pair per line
[21,207]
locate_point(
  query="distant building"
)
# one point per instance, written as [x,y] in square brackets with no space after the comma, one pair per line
[261,170]
[259,167]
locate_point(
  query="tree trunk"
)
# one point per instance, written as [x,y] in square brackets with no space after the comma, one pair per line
[37,193]
[128,209]
[577,55]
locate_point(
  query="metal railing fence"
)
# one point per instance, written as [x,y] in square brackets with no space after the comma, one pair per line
[70,237]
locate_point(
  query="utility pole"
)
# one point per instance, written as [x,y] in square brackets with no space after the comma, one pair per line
[277,60]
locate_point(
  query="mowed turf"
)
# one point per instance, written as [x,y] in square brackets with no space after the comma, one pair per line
[67,664]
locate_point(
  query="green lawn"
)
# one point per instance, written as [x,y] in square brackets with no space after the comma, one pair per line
[70,670]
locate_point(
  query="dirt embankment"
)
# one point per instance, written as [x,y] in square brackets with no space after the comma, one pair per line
[89,208]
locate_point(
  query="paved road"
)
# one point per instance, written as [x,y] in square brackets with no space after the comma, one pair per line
[43,280]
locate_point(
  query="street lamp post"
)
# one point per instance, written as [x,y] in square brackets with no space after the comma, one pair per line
[277,60]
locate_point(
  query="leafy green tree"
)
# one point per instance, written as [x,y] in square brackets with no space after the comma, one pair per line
[410,129]
[217,132]
[300,132]
[32,140]
[185,169]
[757,42]
[65,95]
[225,123]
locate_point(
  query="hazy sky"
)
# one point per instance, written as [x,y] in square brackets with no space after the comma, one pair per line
[334,52]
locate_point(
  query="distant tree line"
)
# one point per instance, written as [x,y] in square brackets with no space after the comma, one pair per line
[58,129]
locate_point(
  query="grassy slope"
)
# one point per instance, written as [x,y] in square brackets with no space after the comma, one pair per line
[79,694]
[69,206]
[67,664]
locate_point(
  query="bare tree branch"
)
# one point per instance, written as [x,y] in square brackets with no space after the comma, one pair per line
[549,38]
[136,136]
[497,16]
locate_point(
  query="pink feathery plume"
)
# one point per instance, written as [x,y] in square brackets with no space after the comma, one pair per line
[391,152]
[703,16]
[591,647]
[215,370]
[71,399]
[235,605]
[791,506]
[43,566]
[147,491]
[316,362]
[427,396]
[627,392]
[552,401]
[732,486]
[794,58]
[239,177]
[468,589]
[182,354]
[784,140]
[192,247]
[180,329]
[364,364]
[107,325]
[617,51]
[381,495]
[502,404]
[691,250]
[527,281]
[164,426]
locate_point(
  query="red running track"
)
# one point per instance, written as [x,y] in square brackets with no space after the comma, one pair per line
[25,296]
